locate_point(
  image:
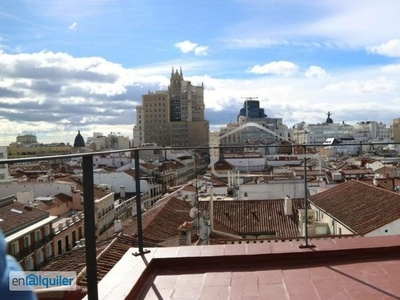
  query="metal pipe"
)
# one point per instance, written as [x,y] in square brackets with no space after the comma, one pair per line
[90,227]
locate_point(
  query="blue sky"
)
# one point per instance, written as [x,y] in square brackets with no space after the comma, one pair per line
[83,65]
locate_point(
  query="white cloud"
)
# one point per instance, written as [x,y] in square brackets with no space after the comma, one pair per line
[73,26]
[187,47]
[253,43]
[380,85]
[284,68]
[391,69]
[50,92]
[201,50]
[56,94]
[354,24]
[391,48]
[340,24]
[315,71]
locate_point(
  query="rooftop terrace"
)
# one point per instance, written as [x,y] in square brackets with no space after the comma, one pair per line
[352,268]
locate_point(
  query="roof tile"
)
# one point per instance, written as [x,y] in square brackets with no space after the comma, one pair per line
[360,206]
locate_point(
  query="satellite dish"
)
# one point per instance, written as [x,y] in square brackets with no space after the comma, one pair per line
[193,212]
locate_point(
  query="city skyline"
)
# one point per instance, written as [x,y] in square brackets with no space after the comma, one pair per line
[84,66]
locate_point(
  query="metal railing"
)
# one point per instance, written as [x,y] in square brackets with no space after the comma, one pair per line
[88,194]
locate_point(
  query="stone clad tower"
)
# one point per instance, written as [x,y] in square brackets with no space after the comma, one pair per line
[188,126]
[174,117]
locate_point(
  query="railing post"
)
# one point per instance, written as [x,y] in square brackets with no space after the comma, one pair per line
[90,231]
[138,205]
[306,244]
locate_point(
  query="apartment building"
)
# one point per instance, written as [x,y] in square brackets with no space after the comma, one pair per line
[4,175]
[396,130]
[28,233]
[28,146]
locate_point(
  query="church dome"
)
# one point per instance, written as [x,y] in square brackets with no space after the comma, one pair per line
[79,142]
[329,120]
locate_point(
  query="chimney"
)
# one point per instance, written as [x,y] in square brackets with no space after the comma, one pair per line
[322,183]
[288,206]
[245,196]
[117,226]
[122,191]
[185,234]
[83,242]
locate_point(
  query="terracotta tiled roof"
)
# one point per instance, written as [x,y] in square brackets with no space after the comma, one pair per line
[159,223]
[75,260]
[130,172]
[214,180]
[189,188]
[256,216]
[179,165]
[63,198]
[222,165]
[148,166]
[162,222]
[360,206]
[167,166]
[57,200]
[42,167]
[17,214]
[387,184]
[112,255]
[356,171]
[111,249]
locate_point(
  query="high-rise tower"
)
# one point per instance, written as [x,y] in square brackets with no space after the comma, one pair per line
[174,117]
[188,126]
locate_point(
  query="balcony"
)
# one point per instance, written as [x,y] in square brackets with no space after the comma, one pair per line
[28,249]
[308,268]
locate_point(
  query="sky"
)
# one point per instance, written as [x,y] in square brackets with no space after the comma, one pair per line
[83,65]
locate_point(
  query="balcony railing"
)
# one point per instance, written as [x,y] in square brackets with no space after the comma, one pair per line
[88,194]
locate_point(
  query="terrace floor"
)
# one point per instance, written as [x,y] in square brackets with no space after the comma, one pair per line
[346,268]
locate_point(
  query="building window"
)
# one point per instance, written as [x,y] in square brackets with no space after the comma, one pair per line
[48,251]
[29,264]
[27,241]
[39,257]
[46,230]
[59,245]
[14,248]
[38,236]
